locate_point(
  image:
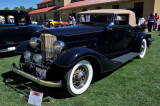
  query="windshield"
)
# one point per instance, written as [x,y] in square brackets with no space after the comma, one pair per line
[95,18]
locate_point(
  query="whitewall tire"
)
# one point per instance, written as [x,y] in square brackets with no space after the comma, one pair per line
[77,80]
[143,48]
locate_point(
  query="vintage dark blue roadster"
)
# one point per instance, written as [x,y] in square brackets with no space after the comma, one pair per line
[70,56]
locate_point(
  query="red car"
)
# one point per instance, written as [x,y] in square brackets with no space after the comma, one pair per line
[61,24]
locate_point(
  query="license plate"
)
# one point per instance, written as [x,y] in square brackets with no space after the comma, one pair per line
[41,72]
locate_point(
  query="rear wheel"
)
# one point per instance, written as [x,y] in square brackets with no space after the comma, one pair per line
[77,80]
[143,48]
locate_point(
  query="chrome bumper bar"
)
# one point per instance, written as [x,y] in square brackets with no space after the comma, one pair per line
[35,79]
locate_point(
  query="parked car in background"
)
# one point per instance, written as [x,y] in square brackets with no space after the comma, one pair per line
[55,24]
[46,24]
[61,24]
[70,57]
[52,23]
[15,28]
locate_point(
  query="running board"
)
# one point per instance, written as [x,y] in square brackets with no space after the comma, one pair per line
[126,57]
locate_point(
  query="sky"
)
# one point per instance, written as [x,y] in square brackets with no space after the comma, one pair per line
[17,3]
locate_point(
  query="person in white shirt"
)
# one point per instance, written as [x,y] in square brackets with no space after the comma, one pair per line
[141,21]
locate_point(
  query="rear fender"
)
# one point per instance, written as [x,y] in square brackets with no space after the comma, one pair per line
[138,42]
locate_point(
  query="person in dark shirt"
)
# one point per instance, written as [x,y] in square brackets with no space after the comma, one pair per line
[151,20]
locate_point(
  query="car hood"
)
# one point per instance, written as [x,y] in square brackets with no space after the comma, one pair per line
[74,30]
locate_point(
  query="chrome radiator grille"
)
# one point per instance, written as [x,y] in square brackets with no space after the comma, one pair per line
[47,41]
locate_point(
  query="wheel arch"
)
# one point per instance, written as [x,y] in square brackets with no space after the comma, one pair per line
[96,65]
[138,41]
[73,56]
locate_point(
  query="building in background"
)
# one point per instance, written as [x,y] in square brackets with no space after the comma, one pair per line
[62,9]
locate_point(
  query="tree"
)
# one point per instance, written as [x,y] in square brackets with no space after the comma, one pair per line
[22,8]
[6,8]
[16,8]
[30,9]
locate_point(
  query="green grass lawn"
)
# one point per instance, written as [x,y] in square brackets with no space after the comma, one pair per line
[135,83]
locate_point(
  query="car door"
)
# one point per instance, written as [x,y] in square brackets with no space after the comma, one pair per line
[119,37]
[27,29]
[9,32]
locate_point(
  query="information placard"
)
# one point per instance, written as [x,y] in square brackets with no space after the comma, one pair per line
[35,98]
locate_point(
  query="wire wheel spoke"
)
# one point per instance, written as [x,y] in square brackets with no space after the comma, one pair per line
[80,77]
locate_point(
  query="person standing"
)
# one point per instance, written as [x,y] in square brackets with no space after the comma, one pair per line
[141,22]
[74,20]
[151,20]
[156,21]
[70,20]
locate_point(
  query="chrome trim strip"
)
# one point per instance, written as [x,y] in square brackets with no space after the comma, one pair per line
[9,49]
[83,33]
[35,79]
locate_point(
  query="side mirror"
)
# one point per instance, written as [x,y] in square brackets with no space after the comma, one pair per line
[110,26]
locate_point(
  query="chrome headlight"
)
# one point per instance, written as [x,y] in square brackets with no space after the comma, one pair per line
[27,56]
[34,42]
[58,46]
[38,58]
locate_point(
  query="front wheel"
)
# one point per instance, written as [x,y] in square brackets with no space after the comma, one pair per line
[77,80]
[143,48]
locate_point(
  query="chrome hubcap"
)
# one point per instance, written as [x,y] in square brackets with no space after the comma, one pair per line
[80,77]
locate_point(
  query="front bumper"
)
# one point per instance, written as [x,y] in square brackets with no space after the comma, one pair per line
[35,79]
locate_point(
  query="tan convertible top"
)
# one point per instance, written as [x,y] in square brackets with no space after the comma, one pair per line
[132,18]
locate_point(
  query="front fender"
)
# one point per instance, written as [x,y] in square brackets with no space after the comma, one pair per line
[72,56]
[24,46]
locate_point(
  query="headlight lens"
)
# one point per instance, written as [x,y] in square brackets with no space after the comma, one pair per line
[27,56]
[58,46]
[38,58]
[34,42]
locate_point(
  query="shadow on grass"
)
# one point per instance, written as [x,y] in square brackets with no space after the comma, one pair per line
[24,86]
[8,54]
